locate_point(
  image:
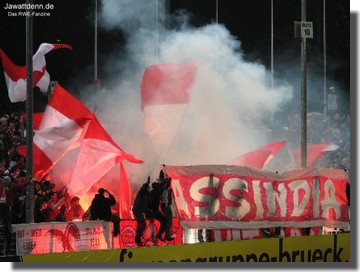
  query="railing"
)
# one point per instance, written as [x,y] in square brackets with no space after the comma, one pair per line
[7,249]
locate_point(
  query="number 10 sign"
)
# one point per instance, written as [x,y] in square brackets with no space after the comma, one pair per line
[306,29]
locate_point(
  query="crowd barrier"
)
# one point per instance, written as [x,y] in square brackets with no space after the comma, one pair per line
[77,236]
[52,237]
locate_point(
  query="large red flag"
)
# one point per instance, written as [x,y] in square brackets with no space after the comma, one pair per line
[314,152]
[15,76]
[165,92]
[98,154]
[63,122]
[259,157]
[125,195]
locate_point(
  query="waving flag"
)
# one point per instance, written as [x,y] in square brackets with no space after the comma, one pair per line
[254,159]
[15,76]
[63,122]
[259,157]
[97,155]
[314,152]
[165,92]
[125,195]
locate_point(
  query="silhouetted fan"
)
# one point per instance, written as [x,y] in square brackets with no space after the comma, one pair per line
[71,229]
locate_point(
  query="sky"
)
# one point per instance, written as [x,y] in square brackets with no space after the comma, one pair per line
[234,55]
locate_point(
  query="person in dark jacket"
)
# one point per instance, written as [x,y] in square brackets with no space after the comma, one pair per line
[139,209]
[101,209]
[154,208]
[166,203]
[5,212]
[61,216]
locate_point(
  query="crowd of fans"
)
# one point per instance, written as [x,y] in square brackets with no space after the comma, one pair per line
[332,128]
[48,198]
[55,204]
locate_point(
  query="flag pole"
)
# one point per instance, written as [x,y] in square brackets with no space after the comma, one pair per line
[95,45]
[157,49]
[97,81]
[29,113]
[217,11]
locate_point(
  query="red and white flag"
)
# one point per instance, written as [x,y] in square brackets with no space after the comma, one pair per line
[314,152]
[254,159]
[165,93]
[125,195]
[15,76]
[98,154]
[259,157]
[63,123]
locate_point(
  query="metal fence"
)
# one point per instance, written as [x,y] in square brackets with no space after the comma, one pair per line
[7,249]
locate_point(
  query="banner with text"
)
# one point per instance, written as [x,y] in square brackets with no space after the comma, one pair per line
[51,237]
[226,196]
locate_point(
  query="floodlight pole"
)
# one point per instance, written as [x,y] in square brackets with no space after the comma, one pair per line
[29,113]
[324,58]
[217,11]
[272,43]
[303,92]
[96,80]
[272,54]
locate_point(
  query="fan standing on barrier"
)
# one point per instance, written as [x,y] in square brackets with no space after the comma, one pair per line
[139,210]
[101,209]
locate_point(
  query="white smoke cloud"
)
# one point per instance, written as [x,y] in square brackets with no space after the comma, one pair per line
[231,99]
[126,14]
